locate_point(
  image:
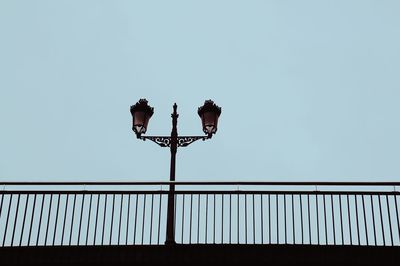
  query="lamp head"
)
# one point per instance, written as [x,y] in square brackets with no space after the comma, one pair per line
[141,114]
[209,114]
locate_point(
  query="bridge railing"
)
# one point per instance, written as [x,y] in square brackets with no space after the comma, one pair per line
[135,213]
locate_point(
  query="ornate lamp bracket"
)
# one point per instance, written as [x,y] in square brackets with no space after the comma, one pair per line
[161,141]
[187,140]
[165,141]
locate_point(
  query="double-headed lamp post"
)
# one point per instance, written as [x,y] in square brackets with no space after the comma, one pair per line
[141,114]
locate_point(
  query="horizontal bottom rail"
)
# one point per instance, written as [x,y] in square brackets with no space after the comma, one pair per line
[202,255]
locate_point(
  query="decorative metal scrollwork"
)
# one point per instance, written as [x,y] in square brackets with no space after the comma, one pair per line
[181,141]
[185,141]
[162,141]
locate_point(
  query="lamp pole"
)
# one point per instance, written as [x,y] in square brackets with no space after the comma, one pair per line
[171,195]
[141,113]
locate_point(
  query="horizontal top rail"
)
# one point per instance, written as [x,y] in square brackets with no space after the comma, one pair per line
[194,192]
[189,183]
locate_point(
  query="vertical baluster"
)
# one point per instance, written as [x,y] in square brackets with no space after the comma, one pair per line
[112,220]
[127,219]
[190,221]
[151,217]
[358,227]
[88,223]
[183,216]
[284,216]
[40,219]
[48,219]
[254,222]
[1,205]
[80,219]
[277,218]
[262,219]
[32,217]
[55,223]
[316,206]
[309,217]
[397,215]
[245,217]
[390,221]
[365,220]
[341,218]
[269,219]
[175,216]
[8,216]
[348,213]
[120,217]
[65,218]
[72,219]
[159,219]
[373,218]
[333,221]
[214,222]
[294,229]
[23,221]
[230,218]
[206,233]
[325,220]
[301,218]
[198,218]
[1,210]
[104,219]
[380,211]
[222,218]
[144,215]
[134,228]
[15,220]
[238,227]
[96,220]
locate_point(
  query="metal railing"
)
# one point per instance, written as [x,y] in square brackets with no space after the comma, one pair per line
[304,213]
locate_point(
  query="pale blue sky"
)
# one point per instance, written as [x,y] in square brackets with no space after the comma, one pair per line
[309,90]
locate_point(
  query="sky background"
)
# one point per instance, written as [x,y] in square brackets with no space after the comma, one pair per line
[309,90]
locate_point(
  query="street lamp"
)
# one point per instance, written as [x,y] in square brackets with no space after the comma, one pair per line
[141,114]
[209,114]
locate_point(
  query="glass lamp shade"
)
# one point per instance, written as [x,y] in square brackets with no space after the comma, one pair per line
[209,114]
[141,113]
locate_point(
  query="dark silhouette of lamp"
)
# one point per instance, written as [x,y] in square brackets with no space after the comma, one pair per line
[141,114]
[209,114]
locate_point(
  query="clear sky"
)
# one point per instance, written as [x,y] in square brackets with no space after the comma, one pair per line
[309,90]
